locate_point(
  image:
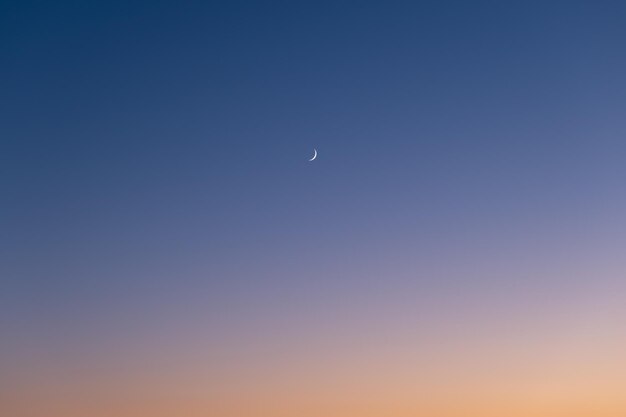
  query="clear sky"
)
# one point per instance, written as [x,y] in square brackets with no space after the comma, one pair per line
[457,248]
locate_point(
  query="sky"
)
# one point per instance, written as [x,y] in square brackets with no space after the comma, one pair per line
[457,247]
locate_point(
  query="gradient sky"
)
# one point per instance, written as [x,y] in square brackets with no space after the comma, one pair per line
[457,248]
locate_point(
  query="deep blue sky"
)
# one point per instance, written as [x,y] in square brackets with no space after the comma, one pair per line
[155,154]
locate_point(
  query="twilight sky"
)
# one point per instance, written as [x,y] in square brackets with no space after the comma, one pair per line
[456,249]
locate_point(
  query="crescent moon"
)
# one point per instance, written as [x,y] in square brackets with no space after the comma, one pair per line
[314,155]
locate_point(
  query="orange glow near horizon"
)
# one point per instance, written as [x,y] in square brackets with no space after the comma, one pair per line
[522,366]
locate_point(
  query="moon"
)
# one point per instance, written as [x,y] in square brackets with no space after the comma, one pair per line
[314,155]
